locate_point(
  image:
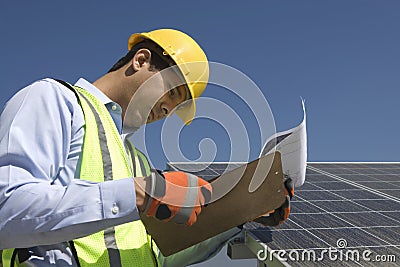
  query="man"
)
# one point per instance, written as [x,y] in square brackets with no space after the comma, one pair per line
[67,197]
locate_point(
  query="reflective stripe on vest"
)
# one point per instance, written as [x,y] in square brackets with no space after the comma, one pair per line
[104,158]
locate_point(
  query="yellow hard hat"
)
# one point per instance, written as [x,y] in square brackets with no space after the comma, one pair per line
[188,56]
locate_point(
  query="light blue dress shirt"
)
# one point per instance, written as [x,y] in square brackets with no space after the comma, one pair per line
[41,203]
[41,136]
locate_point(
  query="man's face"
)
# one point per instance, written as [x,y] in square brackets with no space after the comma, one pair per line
[167,103]
[159,93]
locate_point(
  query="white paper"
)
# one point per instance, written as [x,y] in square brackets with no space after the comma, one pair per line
[292,144]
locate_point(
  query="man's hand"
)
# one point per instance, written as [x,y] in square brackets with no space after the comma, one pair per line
[176,196]
[279,215]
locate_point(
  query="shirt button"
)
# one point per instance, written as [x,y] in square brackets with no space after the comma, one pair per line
[114,107]
[115,210]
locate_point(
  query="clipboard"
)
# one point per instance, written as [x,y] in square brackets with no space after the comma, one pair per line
[236,207]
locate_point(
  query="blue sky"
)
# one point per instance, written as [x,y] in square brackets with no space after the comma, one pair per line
[342,56]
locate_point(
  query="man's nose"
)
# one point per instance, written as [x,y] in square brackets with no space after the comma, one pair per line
[166,108]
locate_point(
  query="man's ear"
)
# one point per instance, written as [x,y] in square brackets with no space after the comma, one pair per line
[141,59]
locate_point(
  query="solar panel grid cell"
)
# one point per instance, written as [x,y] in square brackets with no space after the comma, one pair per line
[304,207]
[335,185]
[316,195]
[318,178]
[360,194]
[343,206]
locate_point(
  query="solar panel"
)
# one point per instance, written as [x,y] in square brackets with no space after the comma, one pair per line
[346,214]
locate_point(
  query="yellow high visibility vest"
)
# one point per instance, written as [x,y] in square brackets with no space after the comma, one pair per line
[104,158]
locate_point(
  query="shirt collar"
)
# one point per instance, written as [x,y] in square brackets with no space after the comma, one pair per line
[93,90]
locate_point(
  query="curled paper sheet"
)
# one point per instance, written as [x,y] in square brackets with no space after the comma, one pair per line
[292,144]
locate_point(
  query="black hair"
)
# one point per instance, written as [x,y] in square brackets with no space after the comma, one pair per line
[159,60]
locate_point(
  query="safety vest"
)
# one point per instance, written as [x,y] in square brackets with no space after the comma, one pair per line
[105,157]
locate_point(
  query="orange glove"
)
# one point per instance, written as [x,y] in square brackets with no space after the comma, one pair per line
[176,196]
[279,215]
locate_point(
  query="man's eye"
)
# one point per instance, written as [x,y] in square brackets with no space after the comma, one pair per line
[172,92]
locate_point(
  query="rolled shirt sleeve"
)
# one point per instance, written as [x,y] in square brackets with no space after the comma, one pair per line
[41,136]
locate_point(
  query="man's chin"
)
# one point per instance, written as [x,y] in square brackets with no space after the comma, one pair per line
[149,120]
[131,126]
[134,119]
